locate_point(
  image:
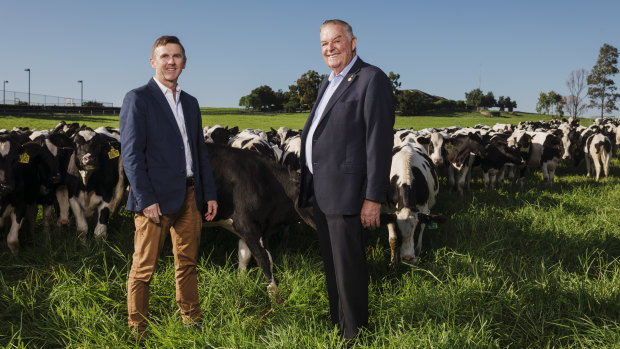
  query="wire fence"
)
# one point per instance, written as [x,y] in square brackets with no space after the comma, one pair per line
[14,97]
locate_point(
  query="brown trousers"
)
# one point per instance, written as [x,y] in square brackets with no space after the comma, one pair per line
[184,228]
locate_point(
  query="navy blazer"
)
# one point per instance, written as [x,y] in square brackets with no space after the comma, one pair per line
[352,144]
[153,152]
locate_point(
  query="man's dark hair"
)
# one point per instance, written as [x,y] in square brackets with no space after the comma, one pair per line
[165,40]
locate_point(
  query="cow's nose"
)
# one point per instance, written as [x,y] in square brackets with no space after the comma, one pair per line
[409,259]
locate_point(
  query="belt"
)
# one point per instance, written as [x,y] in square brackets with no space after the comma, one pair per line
[189,181]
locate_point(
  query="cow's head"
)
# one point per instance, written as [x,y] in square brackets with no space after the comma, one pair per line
[462,146]
[8,157]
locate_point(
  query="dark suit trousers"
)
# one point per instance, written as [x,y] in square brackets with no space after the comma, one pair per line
[343,247]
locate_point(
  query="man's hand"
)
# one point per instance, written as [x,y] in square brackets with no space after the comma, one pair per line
[152,212]
[211,210]
[370,214]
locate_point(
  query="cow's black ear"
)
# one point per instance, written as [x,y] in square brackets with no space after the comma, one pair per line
[424,140]
[234,130]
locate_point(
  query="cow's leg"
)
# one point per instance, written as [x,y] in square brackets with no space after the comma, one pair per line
[393,239]
[47,216]
[31,216]
[545,171]
[485,179]
[62,196]
[17,217]
[588,164]
[462,179]
[606,159]
[597,166]
[244,255]
[261,256]
[451,175]
[103,215]
[407,222]
[80,220]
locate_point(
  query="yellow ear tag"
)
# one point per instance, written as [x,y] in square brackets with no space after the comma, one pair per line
[113,153]
[525,149]
[24,158]
[449,146]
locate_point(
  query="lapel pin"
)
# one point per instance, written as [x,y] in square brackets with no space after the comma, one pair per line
[350,78]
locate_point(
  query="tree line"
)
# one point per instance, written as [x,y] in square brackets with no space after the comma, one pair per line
[597,85]
[302,95]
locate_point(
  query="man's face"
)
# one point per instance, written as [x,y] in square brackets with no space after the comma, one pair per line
[168,62]
[336,48]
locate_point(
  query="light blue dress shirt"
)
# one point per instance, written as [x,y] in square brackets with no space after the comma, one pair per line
[334,82]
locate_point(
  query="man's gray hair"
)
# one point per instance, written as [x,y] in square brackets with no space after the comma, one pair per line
[347,27]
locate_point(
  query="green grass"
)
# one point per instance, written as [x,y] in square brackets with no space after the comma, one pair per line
[531,268]
[293,120]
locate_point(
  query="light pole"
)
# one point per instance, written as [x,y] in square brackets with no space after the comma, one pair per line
[4,91]
[81,92]
[28,70]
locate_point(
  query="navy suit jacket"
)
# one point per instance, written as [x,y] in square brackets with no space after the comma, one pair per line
[153,151]
[352,144]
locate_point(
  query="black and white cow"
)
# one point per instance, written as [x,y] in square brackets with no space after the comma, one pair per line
[540,150]
[498,156]
[413,192]
[256,198]
[462,148]
[596,148]
[219,134]
[95,179]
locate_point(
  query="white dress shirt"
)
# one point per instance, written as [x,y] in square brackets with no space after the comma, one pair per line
[334,82]
[177,111]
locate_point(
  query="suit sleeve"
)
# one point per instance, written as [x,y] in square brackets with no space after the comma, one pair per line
[379,118]
[209,191]
[132,122]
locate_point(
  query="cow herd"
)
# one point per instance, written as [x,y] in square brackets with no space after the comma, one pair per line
[78,169]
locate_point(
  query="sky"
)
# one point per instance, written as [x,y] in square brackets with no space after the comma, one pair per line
[444,48]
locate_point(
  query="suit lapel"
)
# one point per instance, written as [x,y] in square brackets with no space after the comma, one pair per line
[347,81]
[163,104]
[322,89]
[188,116]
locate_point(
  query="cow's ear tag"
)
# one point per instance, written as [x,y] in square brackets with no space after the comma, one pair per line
[449,146]
[524,149]
[24,158]
[113,153]
[432,226]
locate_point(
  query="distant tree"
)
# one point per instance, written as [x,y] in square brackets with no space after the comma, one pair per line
[395,83]
[412,102]
[261,98]
[488,100]
[576,83]
[92,104]
[509,104]
[473,98]
[601,87]
[556,103]
[395,88]
[501,103]
[548,103]
[542,106]
[307,89]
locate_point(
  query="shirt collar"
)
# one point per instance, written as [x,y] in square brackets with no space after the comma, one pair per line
[165,89]
[345,71]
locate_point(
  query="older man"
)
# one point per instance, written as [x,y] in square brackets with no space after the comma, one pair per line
[165,159]
[347,150]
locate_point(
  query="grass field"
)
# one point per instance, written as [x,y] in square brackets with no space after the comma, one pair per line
[531,268]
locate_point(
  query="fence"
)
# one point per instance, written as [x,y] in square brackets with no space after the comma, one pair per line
[13,97]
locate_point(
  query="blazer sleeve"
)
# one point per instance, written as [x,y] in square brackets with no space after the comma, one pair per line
[379,118]
[209,191]
[132,122]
